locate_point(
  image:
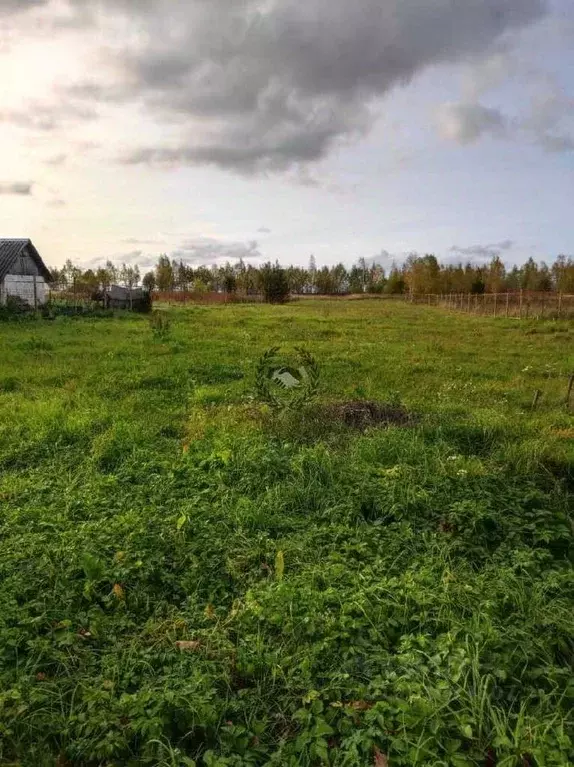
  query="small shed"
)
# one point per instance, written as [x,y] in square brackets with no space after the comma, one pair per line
[118,297]
[23,274]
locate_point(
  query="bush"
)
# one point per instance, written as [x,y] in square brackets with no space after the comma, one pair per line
[143,305]
[274,284]
[15,308]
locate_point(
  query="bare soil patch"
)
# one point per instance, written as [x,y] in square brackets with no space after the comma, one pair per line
[361,414]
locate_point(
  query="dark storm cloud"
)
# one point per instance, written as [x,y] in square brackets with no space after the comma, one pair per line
[286,82]
[17,188]
[256,86]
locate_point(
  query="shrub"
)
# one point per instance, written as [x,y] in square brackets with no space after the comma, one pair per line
[15,309]
[274,284]
[143,305]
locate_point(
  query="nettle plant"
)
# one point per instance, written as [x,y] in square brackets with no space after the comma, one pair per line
[286,384]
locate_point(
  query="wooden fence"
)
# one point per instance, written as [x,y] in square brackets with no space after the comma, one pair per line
[521,304]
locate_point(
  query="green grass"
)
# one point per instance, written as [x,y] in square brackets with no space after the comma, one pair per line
[409,590]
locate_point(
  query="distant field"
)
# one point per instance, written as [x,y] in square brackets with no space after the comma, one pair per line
[186,579]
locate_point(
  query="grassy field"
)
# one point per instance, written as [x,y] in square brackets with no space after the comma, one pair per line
[187,579]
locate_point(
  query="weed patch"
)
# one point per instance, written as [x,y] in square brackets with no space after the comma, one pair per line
[36,344]
[9,384]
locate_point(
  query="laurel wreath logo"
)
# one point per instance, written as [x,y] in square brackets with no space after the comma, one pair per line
[284,384]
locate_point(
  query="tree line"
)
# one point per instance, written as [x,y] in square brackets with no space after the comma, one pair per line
[417,274]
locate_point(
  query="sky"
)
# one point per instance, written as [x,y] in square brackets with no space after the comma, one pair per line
[275,129]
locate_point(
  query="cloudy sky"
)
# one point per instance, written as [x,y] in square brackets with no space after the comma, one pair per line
[213,129]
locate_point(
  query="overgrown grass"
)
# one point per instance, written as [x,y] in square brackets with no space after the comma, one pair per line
[186,578]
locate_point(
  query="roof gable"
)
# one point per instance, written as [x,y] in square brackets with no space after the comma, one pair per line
[10,251]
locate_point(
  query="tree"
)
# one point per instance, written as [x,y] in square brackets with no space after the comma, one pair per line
[58,278]
[248,281]
[183,276]
[529,275]
[339,281]
[495,275]
[418,274]
[513,279]
[164,273]
[200,287]
[112,270]
[274,284]
[544,281]
[297,279]
[355,280]
[396,284]
[478,284]
[130,276]
[229,282]
[104,278]
[88,284]
[422,273]
[362,266]
[323,281]
[312,284]
[563,274]
[202,279]
[149,282]
[71,274]
[376,279]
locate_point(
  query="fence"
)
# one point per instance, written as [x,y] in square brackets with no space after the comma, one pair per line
[523,304]
[86,301]
[210,297]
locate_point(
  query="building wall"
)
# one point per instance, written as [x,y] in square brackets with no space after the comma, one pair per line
[22,286]
[25,265]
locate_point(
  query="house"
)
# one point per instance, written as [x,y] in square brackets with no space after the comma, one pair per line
[23,274]
[118,297]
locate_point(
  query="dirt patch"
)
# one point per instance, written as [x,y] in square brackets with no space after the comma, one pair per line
[362,414]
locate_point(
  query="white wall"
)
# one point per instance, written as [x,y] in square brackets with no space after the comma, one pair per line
[23,287]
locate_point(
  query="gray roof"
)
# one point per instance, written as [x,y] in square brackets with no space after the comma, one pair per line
[10,250]
[120,293]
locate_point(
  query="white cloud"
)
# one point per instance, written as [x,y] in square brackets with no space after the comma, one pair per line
[466,123]
[201,251]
